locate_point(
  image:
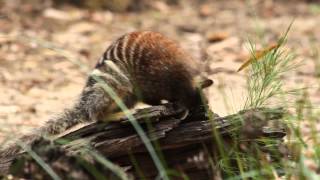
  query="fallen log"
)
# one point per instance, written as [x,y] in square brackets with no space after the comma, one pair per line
[189,147]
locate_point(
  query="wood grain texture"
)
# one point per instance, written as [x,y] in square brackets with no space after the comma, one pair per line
[180,141]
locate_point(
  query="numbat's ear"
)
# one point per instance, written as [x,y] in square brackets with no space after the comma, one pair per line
[206,83]
[202,82]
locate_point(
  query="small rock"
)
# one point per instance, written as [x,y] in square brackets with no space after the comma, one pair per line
[205,10]
[230,42]
[160,6]
[216,36]
[187,28]
[105,17]
[56,14]
[82,28]
[116,5]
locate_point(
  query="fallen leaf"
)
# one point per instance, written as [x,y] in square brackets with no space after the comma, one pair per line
[257,55]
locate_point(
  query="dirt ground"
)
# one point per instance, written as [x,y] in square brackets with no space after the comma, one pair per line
[45,51]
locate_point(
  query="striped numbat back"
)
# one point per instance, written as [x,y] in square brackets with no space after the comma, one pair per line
[151,66]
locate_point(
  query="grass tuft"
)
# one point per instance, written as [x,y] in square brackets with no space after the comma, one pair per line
[265,80]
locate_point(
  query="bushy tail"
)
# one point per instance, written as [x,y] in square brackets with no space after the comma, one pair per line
[64,121]
[56,125]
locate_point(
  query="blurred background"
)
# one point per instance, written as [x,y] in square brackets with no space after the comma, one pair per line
[48,46]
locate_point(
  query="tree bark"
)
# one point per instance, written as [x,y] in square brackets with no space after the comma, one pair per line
[189,146]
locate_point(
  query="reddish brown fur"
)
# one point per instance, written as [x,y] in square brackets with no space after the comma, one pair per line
[160,69]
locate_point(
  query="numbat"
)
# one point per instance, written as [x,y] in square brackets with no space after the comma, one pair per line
[139,66]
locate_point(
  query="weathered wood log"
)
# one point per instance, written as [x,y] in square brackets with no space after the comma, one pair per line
[189,146]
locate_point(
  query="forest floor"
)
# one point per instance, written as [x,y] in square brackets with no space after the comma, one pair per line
[46,52]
